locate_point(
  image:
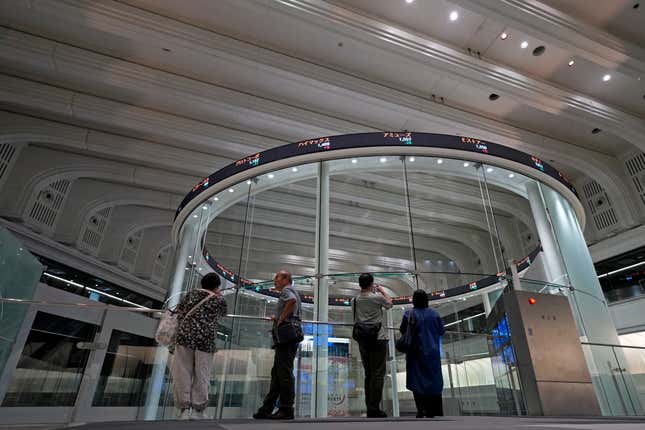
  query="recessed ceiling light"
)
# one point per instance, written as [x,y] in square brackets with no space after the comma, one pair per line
[440,161]
[204,207]
[511,175]
[271,176]
[539,51]
[454,15]
[230,190]
[382,159]
[411,159]
[596,130]
[489,170]
[571,63]
[195,216]
[190,256]
[354,161]
[248,182]
[493,97]
[524,45]
[606,78]
[466,164]
[215,199]
[294,169]
[636,6]
[503,36]
[409,1]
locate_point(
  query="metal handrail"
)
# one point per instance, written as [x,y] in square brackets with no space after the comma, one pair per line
[108,307]
[612,345]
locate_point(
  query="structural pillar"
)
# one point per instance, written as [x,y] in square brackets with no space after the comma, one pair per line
[562,235]
[552,262]
[321,297]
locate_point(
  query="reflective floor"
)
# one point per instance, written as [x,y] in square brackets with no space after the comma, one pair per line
[450,423]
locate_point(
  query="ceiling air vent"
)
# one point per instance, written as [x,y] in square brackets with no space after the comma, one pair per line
[8,155]
[130,251]
[600,207]
[92,233]
[635,167]
[159,266]
[45,205]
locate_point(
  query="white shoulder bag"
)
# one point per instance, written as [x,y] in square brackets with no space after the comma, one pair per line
[167,329]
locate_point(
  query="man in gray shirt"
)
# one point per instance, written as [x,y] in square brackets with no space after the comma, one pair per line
[368,306]
[282,380]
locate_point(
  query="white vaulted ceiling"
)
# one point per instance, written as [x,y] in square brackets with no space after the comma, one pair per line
[130,102]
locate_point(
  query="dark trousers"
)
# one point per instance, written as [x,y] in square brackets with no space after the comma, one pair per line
[282,380]
[374,356]
[429,405]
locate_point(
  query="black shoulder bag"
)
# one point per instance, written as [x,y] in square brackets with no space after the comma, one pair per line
[289,331]
[405,343]
[364,331]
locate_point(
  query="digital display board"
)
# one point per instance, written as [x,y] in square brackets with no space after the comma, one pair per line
[364,140]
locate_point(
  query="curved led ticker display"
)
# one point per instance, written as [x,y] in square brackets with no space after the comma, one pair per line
[380,139]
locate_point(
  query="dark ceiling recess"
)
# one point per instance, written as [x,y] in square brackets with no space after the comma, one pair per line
[636,5]
[493,97]
[596,131]
[539,50]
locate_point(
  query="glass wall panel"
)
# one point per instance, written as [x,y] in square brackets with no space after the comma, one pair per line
[369,223]
[51,365]
[456,241]
[126,366]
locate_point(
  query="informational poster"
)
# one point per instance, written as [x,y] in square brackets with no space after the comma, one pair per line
[337,400]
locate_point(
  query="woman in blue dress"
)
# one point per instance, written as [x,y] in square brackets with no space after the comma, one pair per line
[423,363]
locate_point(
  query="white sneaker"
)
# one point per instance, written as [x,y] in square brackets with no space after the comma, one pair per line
[199,415]
[184,414]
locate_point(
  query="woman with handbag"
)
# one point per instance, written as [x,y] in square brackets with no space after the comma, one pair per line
[423,355]
[198,315]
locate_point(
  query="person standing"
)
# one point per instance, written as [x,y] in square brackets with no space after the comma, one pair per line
[423,363]
[368,310]
[198,315]
[282,386]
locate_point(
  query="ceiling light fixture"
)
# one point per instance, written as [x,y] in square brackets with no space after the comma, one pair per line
[440,161]
[606,78]
[493,97]
[195,216]
[571,63]
[503,36]
[524,45]
[204,207]
[230,190]
[354,161]
[411,159]
[466,164]
[294,169]
[215,198]
[511,175]
[454,15]
[382,159]
[409,1]
[271,176]
[489,170]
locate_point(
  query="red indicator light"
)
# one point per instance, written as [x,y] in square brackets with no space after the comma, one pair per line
[532,301]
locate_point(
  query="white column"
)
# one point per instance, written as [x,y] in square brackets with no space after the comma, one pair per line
[616,391]
[552,261]
[392,355]
[321,296]
[186,246]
